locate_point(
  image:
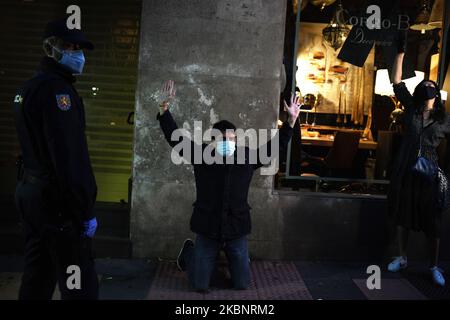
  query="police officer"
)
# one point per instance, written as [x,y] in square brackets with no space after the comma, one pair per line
[55,195]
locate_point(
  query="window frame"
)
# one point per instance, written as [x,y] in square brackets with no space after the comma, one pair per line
[318,179]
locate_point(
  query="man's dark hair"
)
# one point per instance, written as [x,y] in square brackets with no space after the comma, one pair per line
[224,125]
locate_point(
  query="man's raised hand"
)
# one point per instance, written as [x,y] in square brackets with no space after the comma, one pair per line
[168,92]
[293,109]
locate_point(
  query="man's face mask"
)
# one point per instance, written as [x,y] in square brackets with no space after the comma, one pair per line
[73,60]
[226,148]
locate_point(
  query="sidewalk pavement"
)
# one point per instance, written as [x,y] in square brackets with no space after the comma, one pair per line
[285,280]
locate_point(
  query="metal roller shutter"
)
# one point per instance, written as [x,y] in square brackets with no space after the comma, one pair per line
[107,85]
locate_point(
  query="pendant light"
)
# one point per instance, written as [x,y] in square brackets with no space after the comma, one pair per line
[423,18]
[337,31]
[437,14]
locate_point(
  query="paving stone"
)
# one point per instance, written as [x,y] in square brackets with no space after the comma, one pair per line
[391,289]
[270,280]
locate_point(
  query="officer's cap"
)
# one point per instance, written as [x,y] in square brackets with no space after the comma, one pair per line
[58,28]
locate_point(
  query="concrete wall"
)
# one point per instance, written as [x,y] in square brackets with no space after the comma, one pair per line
[225,58]
[344,228]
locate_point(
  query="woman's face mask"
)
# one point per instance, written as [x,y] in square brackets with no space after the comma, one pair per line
[425,92]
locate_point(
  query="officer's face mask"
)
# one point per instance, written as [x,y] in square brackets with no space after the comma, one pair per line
[226,148]
[73,60]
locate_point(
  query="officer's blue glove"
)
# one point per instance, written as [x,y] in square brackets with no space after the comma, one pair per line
[90,227]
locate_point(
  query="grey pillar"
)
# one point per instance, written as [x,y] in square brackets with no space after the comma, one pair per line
[225,57]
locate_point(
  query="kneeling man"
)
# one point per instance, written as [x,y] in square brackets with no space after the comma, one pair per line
[221,215]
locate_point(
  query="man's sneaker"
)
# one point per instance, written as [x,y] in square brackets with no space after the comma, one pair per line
[181,262]
[438,278]
[398,264]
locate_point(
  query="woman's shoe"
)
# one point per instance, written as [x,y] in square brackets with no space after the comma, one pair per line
[438,278]
[398,264]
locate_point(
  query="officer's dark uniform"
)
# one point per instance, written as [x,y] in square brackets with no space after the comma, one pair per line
[57,191]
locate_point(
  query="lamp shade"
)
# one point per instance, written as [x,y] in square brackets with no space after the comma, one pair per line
[423,18]
[437,14]
[383,85]
[444,95]
[412,83]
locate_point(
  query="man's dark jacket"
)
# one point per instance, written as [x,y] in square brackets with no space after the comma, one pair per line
[221,210]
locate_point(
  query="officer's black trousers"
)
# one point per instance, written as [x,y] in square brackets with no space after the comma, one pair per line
[51,246]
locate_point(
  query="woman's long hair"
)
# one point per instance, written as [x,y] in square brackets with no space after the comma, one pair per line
[438,112]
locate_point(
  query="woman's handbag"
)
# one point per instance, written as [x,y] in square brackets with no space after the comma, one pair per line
[423,166]
[430,170]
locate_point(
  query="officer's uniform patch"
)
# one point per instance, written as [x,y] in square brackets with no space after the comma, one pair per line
[18,99]
[63,102]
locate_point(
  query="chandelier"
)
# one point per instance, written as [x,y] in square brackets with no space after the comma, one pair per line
[337,31]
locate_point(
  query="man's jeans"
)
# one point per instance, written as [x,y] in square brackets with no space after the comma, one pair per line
[201,261]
